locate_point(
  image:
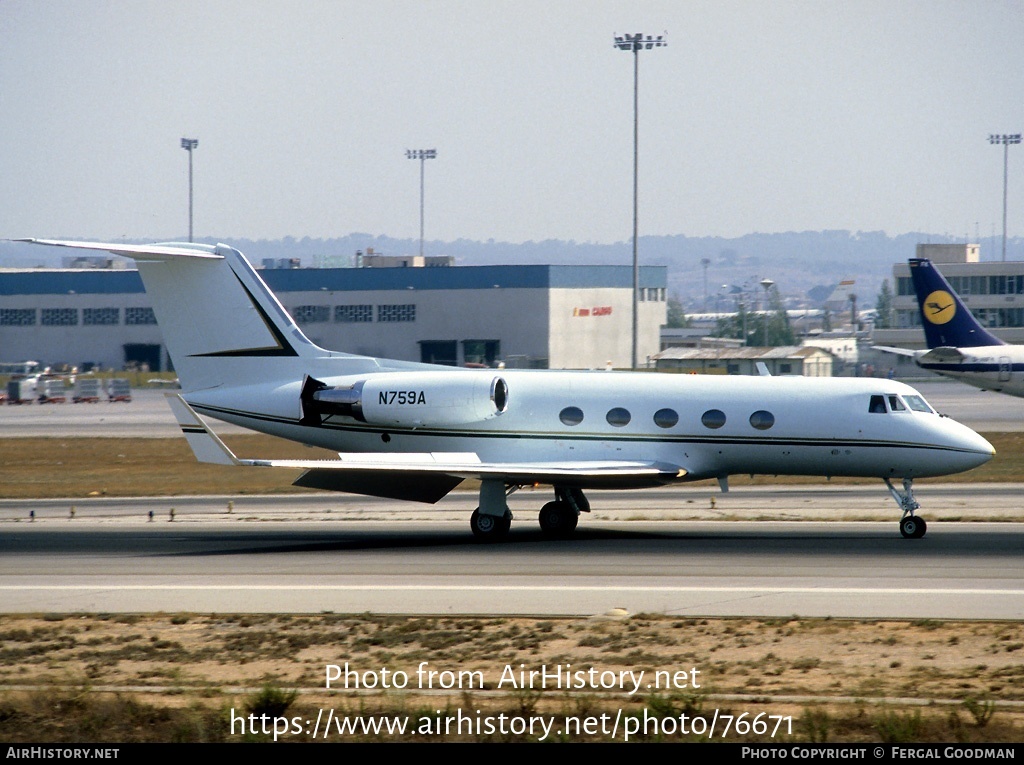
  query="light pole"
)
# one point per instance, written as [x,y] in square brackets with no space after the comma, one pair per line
[767,284]
[636,43]
[1005,140]
[421,155]
[189,144]
[705,262]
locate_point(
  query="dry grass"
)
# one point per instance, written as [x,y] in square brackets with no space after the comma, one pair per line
[181,674]
[38,468]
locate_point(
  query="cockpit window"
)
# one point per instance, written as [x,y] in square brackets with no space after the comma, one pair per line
[877,405]
[918,404]
[896,405]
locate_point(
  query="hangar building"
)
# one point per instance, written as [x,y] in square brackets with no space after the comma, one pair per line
[565,317]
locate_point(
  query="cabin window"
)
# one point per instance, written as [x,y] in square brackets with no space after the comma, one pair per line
[918,404]
[666,418]
[713,418]
[896,405]
[877,405]
[618,417]
[571,415]
[762,420]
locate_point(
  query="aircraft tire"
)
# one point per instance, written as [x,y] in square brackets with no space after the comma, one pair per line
[489,528]
[913,527]
[557,519]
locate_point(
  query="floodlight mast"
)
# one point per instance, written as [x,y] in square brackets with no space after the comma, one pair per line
[189,145]
[1005,140]
[421,155]
[636,43]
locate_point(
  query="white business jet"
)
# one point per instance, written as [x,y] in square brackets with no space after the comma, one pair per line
[416,431]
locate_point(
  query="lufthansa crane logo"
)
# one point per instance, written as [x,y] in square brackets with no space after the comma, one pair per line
[939,307]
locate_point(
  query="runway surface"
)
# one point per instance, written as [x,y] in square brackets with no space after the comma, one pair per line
[686,550]
[149,416]
[296,555]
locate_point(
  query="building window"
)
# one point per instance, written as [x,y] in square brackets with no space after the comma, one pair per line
[311,314]
[393,313]
[571,415]
[139,316]
[353,314]
[17,317]
[58,317]
[485,352]
[439,352]
[101,316]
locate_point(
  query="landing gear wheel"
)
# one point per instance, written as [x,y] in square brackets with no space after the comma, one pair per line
[557,519]
[913,527]
[490,528]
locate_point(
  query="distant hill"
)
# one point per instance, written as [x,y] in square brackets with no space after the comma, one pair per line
[798,262]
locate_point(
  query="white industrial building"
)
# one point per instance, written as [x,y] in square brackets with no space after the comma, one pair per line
[565,317]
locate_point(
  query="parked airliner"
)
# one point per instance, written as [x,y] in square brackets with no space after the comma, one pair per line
[416,431]
[958,346]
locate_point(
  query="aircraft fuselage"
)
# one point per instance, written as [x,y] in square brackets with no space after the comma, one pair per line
[713,426]
[998,368]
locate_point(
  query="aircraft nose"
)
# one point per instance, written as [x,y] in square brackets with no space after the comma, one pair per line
[975,448]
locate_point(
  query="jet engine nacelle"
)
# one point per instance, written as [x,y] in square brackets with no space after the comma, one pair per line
[409,399]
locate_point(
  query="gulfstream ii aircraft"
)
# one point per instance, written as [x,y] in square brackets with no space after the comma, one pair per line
[958,346]
[416,431]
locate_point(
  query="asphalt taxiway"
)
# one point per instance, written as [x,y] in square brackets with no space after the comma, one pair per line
[815,550]
[305,554]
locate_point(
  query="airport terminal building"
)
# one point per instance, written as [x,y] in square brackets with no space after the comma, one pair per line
[559,317]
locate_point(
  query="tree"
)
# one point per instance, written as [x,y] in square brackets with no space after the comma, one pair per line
[675,317]
[778,331]
[883,307]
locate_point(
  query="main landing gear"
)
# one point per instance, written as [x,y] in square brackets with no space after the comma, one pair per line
[911,526]
[559,518]
[491,521]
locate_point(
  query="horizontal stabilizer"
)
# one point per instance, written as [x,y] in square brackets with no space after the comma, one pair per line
[898,351]
[944,355]
[137,251]
[220,323]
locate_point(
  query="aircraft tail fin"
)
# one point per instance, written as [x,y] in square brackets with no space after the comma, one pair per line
[219,320]
[947,321]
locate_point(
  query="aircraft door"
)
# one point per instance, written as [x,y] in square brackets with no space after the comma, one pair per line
[1005,367]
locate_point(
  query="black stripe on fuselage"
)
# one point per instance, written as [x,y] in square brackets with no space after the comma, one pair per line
[973,367]
[670,439]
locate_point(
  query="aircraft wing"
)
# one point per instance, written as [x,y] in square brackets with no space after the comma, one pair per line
[424,477]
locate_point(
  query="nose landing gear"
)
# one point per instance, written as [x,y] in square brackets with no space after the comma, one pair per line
[911,526]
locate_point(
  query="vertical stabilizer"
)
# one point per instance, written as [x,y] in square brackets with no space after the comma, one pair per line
[221,323]
[946,320]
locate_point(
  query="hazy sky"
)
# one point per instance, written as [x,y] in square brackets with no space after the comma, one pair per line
[760,115]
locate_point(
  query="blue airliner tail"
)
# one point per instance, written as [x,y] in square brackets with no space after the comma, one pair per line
[946,320]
